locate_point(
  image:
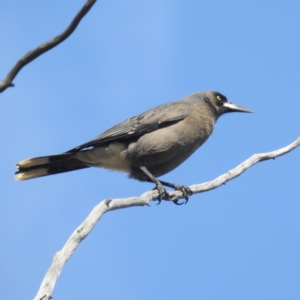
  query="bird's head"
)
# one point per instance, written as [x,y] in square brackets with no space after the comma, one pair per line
[222,105]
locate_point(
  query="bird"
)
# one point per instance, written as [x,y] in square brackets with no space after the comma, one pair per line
[145,146]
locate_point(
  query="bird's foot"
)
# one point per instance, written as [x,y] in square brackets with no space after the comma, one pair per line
[162,193]
[186,191]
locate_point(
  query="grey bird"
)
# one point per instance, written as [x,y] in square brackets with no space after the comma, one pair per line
[146,146]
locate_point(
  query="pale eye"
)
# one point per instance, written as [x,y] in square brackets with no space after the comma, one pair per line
[219,98]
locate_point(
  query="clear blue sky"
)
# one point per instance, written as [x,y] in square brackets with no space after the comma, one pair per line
[240,241]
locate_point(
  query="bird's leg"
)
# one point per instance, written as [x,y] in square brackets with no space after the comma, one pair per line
[186,191]
[161,190]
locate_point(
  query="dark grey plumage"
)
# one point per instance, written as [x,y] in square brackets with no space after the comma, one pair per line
[145,146]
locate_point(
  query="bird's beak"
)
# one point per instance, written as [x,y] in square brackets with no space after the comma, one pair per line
[236,108]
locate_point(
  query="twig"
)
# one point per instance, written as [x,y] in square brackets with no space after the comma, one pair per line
[33,54]
[61,257]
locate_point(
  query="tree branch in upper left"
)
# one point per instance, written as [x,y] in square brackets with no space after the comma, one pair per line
[44,47]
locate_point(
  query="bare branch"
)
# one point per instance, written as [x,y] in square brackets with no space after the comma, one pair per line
[61,257]
[33,54]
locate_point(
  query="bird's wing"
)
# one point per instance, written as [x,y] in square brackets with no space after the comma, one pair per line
[151,120]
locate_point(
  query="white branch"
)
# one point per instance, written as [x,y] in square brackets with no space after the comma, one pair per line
[61,257]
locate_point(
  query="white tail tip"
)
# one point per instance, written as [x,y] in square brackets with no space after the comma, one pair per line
[31,174]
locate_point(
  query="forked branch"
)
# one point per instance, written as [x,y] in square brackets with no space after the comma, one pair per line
[61,257]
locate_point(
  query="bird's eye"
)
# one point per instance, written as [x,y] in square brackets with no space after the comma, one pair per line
[219,98]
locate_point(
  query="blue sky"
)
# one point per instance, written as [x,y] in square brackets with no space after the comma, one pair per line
[240,241]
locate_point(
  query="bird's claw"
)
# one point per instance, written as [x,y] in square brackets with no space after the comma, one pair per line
[162,193]
[186,191]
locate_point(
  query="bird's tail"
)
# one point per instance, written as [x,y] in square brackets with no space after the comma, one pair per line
[47,165]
